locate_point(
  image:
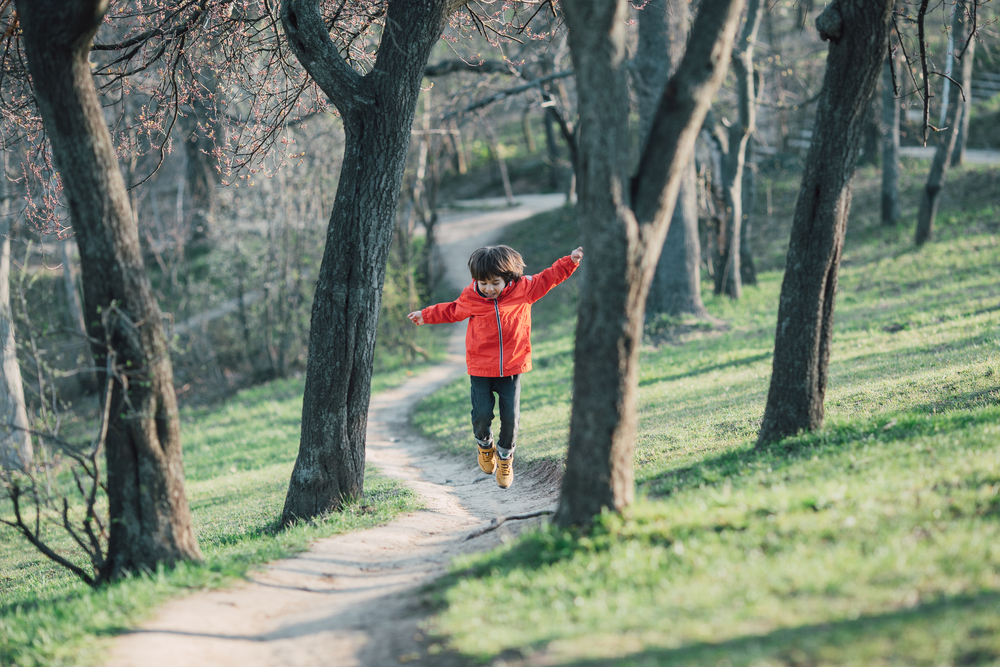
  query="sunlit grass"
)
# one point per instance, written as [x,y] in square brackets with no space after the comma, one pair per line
[872,541]
[238,460]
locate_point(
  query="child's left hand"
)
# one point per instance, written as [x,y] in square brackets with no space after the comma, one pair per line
[576,255]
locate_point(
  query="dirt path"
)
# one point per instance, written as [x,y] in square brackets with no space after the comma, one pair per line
[350,599]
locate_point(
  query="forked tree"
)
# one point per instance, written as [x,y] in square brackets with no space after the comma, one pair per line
[623,222]
[377,109]
[150,519]
[858,32]
[963,39]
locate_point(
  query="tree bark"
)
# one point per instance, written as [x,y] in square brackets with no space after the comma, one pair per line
[623,223]
[728,276]
[377,111]
[150,520]
[748,271]
[676,287]
[890,145]
[16,452]
[958,155]
[947,138]
[858,31]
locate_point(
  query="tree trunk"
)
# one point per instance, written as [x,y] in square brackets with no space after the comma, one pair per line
[890,145]
[958,155]
[728,280]
[150,519]
[377,111]
[16,452]
[872,146]
[623,223]
[945,146]
[200,177]
[676,287]
[858,31]
[748,272]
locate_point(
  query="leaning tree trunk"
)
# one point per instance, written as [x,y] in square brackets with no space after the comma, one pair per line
[676,288]
[728,276]
[858,31]
[931,196]
[150,520]
[890,144]
[16,452]
[377,110]
[623,223]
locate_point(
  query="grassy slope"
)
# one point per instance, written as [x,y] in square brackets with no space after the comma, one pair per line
[874,541]
[238,458]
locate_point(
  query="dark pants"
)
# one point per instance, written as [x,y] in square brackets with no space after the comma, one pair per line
[508,390]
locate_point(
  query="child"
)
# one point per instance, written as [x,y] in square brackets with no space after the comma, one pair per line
[498,342]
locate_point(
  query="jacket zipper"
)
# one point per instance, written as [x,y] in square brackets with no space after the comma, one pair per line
[496,307]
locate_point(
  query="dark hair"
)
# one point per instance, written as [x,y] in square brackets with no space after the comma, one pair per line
[497,261]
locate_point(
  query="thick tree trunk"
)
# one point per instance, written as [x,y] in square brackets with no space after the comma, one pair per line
[947,138]
[377,110]
[728,276]
[890,145]
[150,519]
[858,31]
[16,452]
[623,223]
[676,288]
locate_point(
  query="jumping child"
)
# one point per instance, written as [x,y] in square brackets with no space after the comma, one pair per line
[498,342]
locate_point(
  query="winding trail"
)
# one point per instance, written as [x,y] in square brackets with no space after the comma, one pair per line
[351,599]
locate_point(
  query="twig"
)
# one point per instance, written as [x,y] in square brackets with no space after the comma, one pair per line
[507,93]
[18,523]
[500,520]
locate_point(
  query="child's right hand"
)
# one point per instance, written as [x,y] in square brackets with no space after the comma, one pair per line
[417,317]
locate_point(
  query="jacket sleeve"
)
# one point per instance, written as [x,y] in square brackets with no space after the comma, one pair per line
[443,313]
[540,283]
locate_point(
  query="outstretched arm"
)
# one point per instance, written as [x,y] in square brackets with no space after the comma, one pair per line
[541,283]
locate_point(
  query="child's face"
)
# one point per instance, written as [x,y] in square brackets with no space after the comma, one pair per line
[491,287]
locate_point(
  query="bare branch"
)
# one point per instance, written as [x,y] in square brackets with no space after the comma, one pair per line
[503,94]
[485,67]
[15,496]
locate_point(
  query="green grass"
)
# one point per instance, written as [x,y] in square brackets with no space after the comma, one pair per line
[238,458]
[873,541]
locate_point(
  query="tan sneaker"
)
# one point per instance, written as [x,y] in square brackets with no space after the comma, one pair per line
[505,471]
[488,459]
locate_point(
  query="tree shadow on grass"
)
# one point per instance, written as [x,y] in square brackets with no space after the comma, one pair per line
[735,363]
[960,630]
[829,441]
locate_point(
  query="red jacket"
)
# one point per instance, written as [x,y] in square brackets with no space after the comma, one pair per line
[498,340]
